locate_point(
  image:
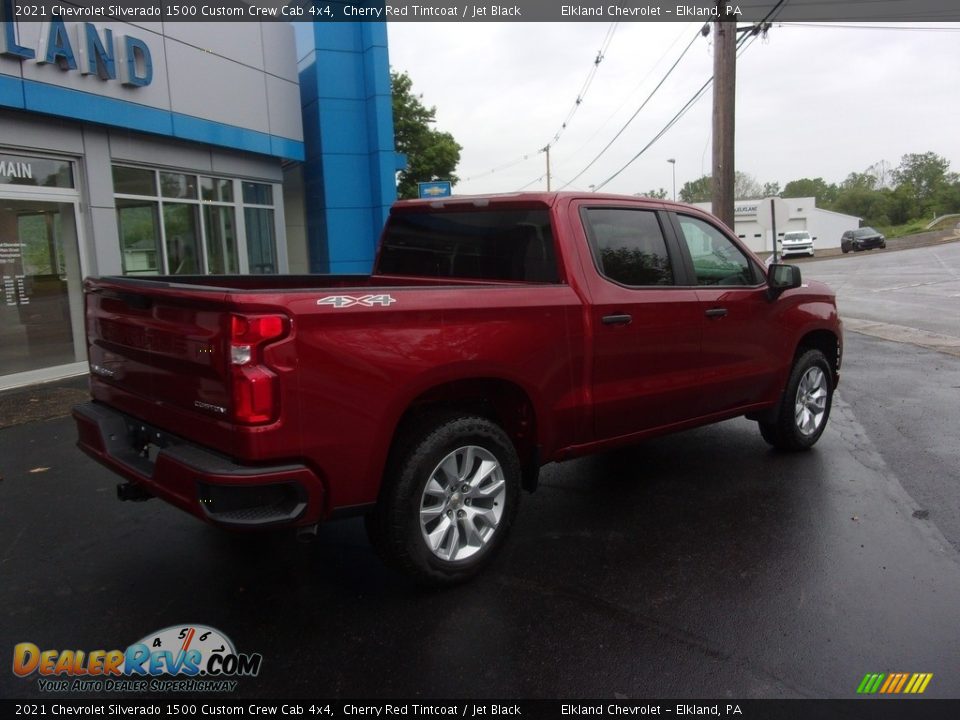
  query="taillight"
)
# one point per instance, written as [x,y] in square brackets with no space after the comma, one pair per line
[256,397]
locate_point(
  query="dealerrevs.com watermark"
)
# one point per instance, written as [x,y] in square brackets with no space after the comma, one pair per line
[188,658]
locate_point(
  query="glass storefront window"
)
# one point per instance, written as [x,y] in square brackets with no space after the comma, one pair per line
[200,222]
[261,252]
[218,221]
[217,189]
[139,227]
[183,247]
[35,172]
[257,194]
[177,185]
[41,312]
[134,181]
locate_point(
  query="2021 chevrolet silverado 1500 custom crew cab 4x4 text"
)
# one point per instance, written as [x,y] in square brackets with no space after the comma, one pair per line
[496,334]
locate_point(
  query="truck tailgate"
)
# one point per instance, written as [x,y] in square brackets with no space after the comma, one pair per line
[159,348]
[161,353]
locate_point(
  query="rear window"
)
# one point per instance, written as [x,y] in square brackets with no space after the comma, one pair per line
[476,245]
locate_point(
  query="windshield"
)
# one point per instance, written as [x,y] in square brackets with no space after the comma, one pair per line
[796,236]
[864,231]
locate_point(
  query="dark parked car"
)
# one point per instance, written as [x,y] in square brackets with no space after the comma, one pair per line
[866,238]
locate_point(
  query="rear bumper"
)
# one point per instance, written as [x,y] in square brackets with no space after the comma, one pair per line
[200,481]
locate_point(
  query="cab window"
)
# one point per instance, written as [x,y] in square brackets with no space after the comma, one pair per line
[716,260]
[628,246]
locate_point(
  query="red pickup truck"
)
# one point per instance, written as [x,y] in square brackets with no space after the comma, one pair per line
[496,334]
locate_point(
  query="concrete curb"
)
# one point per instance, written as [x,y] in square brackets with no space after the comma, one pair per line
[902,334]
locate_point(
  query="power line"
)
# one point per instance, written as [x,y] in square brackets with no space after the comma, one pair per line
[535,180]
[871,27]
[744,42]
[689,104]
[608,38]
[505,166]
[627,97]
[637,111]
[588,81]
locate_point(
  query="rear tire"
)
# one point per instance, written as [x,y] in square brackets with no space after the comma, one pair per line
[448,501]
[805,407]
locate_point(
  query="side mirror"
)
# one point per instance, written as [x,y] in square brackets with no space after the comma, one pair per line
[781,278]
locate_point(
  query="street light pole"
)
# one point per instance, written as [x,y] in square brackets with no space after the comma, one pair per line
[673,164]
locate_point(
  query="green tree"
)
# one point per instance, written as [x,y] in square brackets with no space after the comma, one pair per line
[431,154]
[899,207]
[771,189]
[817,188]
[922,175]
[660,194]
[871,205]
[947,197]
[745,186]
[859,181]
[700,190]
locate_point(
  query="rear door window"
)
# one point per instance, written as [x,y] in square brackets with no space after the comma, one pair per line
[628,246]
[477,245]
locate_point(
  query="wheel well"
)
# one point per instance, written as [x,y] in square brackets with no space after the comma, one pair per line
[824,341]
[500,401]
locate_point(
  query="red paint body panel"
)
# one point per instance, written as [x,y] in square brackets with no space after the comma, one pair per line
[344,376]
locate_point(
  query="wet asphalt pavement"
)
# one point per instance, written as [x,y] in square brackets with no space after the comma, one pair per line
[698,565]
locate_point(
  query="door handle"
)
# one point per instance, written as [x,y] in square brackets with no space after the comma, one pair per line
[716,312]
[617,319]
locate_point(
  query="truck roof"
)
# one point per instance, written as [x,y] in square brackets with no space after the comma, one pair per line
[545,199]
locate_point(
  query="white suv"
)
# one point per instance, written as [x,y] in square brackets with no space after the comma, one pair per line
[796,243]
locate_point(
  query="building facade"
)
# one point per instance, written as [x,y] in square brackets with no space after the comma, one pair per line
[825,226]
[180,148]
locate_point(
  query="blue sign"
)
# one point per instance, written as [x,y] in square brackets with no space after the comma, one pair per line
[435,189]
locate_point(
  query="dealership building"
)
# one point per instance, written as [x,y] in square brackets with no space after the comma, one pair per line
[825,226]
[180,148]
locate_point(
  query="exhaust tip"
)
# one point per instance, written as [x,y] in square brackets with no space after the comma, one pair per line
[307,534]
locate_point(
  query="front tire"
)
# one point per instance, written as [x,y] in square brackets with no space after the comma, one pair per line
[449,500]
[805,407]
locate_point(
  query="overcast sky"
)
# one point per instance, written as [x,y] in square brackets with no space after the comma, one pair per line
[811,101]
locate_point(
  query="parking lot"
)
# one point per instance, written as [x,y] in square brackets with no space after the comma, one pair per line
[698,565]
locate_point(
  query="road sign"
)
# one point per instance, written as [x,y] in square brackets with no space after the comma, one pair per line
[435,189]
[773,212]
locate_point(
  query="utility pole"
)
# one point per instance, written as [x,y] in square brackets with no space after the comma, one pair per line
[547,151]
[724,97]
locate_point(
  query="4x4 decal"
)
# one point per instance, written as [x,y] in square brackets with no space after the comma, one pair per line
[344,301]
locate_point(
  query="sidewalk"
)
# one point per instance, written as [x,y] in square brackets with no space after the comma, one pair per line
[42,402]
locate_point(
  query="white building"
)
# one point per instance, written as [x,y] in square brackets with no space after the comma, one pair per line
[825,226]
